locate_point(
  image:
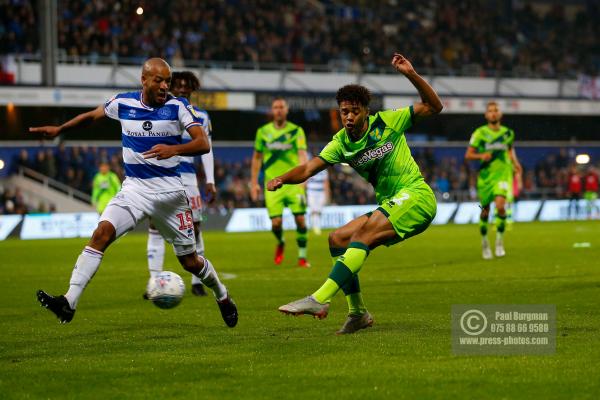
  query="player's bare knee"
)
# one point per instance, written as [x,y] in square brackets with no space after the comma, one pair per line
[191,262]
[363,236]
[485,212]
[300,222]
[276,223]
[336,238]
[103,236]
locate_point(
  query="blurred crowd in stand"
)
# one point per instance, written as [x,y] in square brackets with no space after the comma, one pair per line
[475,37]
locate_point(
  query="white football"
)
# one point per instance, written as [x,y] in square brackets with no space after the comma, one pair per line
[166,289]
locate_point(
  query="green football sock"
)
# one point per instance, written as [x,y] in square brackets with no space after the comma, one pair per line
[349,264]
[500,223]
[509,214]
[483,226]
[356,304]
[301,239]
[351,289]
[336,252]
[278,232]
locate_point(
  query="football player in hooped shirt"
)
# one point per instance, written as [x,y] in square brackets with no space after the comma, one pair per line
[375,146]
[183,84]
[152,123]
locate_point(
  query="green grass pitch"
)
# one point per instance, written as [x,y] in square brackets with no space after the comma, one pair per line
[121,347]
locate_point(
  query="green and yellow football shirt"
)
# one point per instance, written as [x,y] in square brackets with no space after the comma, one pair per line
[495,176]
[499,143]
[279,148]
[382,155]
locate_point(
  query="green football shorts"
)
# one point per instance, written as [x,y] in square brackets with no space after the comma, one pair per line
[490,185]
[410,211]
[590,196]
[291,196]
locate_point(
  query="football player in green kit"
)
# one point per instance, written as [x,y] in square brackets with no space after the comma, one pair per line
[279,146]
[105,186]
[375,146]
[492,145]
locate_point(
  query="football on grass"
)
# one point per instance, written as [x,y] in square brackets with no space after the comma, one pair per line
[165,289]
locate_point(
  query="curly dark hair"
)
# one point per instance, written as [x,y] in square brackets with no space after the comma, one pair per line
[188,76]
[354,94]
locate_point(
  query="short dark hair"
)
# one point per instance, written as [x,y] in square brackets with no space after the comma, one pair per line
[278,98]
[188,76]
[354,94]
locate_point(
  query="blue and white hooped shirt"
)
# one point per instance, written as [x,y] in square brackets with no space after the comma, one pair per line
[316,184]
[142,128]
[187,167]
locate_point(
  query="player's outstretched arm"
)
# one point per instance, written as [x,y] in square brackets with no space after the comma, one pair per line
[298,175]
[198,145]
[431,103]
[81,120]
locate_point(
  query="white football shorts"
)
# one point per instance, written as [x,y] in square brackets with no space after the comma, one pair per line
[195,200]
[316,201]
[170,212]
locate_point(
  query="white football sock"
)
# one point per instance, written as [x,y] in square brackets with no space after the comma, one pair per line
[86,266]
[208,276]
[156,252]
[200,252]
[316,221]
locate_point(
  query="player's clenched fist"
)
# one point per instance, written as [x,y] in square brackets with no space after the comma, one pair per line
[401,64]
[274,184]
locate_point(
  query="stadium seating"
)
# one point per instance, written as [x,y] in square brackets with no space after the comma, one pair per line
[451,37]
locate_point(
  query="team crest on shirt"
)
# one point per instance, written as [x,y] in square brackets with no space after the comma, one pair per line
[164,112]
[376,133]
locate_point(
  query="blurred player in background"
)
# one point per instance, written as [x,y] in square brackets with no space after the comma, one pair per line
[183,84]
[280,146]
[574,190]
[591,192]
[318,194]
[375,146]
[152,123]
[493,146]
[105,186]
